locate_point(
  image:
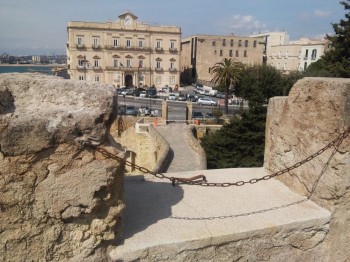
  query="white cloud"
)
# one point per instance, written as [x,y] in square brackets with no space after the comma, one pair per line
[320,13]
[246,22]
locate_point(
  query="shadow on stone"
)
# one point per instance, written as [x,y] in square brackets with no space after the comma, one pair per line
[146,203]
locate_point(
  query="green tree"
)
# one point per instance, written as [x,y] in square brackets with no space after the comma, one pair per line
[226,73]
[260,82]
[335,62]
[239,143]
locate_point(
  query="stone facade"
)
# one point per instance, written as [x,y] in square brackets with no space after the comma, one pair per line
[125,52]
[200,53]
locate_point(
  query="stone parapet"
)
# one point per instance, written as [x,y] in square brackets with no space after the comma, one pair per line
[60,200]
[316,111]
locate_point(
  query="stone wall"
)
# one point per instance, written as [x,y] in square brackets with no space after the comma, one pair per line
[59,200]
[150,149]
[316,111]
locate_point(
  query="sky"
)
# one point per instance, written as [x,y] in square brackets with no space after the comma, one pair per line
[39,27]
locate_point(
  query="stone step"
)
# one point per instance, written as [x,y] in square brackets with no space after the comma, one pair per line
[254,222]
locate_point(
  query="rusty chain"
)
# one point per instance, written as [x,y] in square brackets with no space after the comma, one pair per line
[201,179]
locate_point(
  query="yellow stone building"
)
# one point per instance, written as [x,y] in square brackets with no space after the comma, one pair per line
[125,52]
[200,53]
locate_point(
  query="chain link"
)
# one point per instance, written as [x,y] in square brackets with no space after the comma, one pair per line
[201,179]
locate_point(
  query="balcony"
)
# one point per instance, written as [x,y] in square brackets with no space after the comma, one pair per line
[306,57]
[81,46]
[159,49]
[172,70]
[97,68]
[81,67]
[96,47]
[112,68]
[158,69]
[173,50]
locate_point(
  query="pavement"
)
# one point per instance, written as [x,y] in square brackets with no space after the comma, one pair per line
[184,157]
[159,217]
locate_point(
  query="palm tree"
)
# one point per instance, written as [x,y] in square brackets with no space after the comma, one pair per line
[226,73]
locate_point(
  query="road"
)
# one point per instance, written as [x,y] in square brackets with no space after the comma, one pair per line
[176,109]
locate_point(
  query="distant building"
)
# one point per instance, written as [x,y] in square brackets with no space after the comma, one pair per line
[287,56]
[199,53]
[125,52]
[36,58]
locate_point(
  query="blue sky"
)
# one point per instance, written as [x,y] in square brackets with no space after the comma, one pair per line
[40,26]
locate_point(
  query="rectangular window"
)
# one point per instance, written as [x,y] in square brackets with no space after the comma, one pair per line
[128,42]
[245,53]
[221,53]
[237,54]
[115,42]
[97,78]
[239,43]
[140,43]
[81,62]
[223,42]
[158,64]
[172,65]
[172,80]
[231,53]
[306,53]
[209,70]
[213,43]
[115,63]
[172,44]
[128,63]
[231,42]
[97,63]
[81,77]
[254,43]
[159,44]
[140,63]
[246,43]
[80,40]
[96,42]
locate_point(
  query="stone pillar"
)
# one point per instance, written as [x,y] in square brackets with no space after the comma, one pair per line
[316,111]
[165,111]
[189,110]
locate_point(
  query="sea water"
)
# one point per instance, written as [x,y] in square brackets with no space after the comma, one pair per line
[26,69]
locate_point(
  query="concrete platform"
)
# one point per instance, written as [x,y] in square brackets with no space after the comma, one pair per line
[180,223]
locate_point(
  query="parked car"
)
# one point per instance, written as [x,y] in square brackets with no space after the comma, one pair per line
[172,96]
[124,91]
[152,92]
[192,97]
[197,115]
[130,111]
[167,89]
[182,97]
[206,101]
[143,94]
[209,115]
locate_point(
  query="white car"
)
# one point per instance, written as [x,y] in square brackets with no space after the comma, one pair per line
[143,94]
[206,101]
[172,97]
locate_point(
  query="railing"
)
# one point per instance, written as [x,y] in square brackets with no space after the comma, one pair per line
[97,68]
[174,70]
[80,46]
[96,46]
[159,49]
[173,50]
[158,69]
[129,48]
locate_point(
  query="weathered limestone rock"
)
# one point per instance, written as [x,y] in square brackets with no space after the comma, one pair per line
[59,200]
[316,111]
